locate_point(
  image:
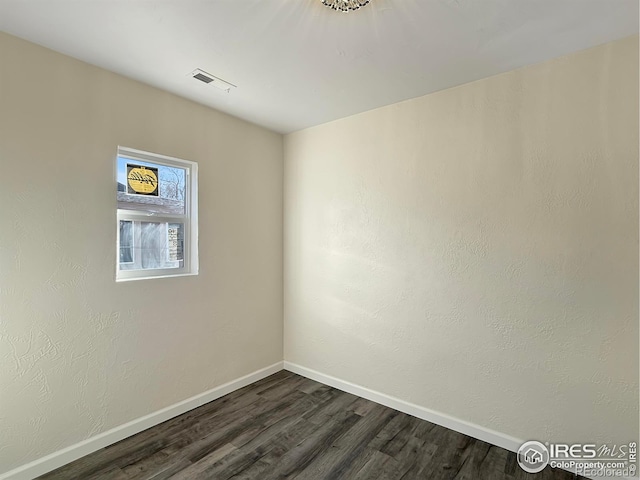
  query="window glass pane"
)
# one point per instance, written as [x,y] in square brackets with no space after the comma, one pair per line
[156,245]
[171,190]
[126,242]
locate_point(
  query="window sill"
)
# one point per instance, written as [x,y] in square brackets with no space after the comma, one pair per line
[153,277]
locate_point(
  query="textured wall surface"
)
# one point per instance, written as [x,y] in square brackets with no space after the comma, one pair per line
[80,354]
[475,251]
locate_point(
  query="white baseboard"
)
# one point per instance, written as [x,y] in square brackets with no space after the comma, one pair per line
[461,426]
[66,455]
[471,429]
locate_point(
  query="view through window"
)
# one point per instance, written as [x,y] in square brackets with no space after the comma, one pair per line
[157,219]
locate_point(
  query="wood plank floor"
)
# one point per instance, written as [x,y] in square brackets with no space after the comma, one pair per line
[287,426]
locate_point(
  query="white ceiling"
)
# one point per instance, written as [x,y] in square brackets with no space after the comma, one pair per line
[297,63]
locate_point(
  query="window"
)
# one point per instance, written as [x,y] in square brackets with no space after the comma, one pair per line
[157,220]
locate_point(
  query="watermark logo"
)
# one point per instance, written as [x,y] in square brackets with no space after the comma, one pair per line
[533,456]
[586,459]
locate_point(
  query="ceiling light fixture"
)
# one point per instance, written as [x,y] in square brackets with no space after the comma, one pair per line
[344,5]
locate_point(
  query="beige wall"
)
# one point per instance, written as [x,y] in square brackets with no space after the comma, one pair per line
[475,251]
[80,354]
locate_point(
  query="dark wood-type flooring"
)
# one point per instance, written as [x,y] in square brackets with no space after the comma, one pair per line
[287,426]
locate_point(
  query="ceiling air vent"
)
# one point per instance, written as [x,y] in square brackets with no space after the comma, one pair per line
[203,78]
[210,79]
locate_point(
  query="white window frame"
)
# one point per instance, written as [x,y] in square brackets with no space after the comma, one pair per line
[189,219]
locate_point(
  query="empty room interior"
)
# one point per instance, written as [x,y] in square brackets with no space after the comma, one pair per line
[319,239]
